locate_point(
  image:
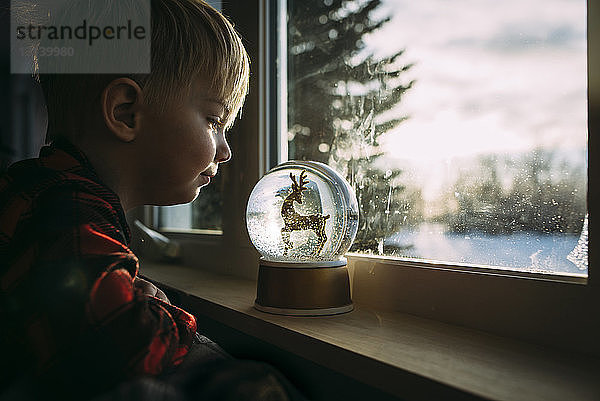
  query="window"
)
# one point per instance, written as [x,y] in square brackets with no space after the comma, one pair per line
[548,309]
[462,126]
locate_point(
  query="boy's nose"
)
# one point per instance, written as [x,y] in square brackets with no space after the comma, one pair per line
[223,150]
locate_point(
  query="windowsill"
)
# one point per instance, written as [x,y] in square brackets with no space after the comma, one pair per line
[403,355]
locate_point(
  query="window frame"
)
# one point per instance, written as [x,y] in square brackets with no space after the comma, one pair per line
[544,309]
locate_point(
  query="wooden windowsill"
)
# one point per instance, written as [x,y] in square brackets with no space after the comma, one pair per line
[403,355]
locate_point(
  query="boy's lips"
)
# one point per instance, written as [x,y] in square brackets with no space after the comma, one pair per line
[205,178]
[207,175]
[209,172]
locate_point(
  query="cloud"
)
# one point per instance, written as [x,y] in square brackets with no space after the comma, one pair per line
[525,37]
[491,77]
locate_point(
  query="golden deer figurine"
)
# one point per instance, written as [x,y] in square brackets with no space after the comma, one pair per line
[295,221]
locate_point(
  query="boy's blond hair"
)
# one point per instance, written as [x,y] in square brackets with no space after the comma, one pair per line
[189,39]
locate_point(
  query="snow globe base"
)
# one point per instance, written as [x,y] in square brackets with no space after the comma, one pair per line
[303,289]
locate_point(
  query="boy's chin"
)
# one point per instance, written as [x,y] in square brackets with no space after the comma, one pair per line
[179,198]
[191,196]
[196,193]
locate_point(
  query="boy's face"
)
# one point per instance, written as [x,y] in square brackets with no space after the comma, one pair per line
[182,146]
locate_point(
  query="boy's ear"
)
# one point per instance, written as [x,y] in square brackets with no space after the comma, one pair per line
[122,102]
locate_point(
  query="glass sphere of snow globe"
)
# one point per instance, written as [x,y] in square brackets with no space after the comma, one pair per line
[302,212]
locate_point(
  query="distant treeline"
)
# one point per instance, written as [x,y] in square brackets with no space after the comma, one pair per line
[543,194]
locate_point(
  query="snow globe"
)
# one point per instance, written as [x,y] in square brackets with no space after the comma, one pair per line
[302,217]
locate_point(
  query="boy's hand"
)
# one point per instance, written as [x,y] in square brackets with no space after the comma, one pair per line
[150,289]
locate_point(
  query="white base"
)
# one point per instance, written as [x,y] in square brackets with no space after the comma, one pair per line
[305,312]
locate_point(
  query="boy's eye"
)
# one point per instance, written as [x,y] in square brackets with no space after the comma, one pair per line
[215,123]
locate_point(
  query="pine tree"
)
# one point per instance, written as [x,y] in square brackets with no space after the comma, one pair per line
[337,96]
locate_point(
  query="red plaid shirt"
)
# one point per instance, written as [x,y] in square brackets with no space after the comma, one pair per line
[67,299]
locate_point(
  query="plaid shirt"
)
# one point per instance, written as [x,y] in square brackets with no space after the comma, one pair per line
[67,299]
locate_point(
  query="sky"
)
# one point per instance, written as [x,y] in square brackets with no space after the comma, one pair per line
[491,77]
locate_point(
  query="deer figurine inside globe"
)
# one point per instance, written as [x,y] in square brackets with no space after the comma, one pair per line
[294,221]
[302,217]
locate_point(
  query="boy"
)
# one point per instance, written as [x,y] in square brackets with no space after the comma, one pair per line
[72,308]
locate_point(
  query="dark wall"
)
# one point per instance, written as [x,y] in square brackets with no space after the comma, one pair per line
[22,109]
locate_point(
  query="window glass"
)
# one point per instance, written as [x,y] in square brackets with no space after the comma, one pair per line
[462,125]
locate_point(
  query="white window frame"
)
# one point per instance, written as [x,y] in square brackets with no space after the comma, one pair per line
[544,309]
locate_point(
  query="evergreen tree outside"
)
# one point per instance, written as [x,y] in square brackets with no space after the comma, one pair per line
[338,96]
